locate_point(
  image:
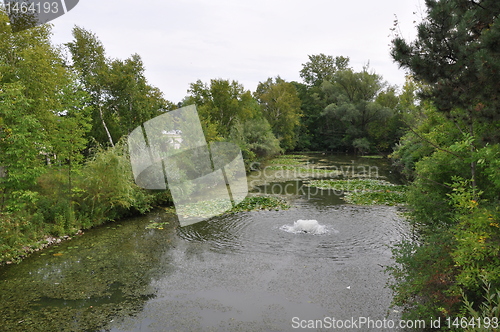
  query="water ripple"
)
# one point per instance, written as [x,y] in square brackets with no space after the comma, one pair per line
[351,231]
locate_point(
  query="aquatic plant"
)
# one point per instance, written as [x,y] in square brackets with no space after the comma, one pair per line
[364,191]
[251,203]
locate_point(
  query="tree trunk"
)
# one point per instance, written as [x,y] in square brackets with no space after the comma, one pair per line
[105,127]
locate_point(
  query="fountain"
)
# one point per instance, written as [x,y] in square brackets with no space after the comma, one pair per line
[305,226]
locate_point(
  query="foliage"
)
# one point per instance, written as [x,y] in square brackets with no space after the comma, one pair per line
[487,314]
[250,203]
[107,186]
[456,55]
[222,103]
[423,276]
[228,112]
[353,107]
[451,152]
[120,96]
[364,191]
[281,108]
[321,68]
[346,110]
[255,139]
[21,140]
[256,203]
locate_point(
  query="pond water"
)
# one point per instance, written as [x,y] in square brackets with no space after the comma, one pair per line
[241,272]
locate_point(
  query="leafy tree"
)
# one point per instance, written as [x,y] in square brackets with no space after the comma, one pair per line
[29,58]
[229,112]
[131,100]
[281,107]
[456,54]
[453,142]
[90,63]
[33,67]
[69,137]
[314,132]
[222,103]
[21,141]
[121,97]
[354,105]
[321,68]
[255,139]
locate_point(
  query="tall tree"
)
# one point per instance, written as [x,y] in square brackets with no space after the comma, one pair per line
[122,99]
[281,107]
[456,54]
[22,140]
[89,61]
[131,100]
[353,107]
[222,103]
[38,91]
[29,58]
[321,68]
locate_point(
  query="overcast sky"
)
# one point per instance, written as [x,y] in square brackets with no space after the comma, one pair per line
[181,41]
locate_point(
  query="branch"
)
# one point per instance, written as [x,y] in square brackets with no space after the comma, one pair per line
[438,183]
[477,4]
[433,144]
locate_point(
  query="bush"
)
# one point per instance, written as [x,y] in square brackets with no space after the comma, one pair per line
[106,188]
[255,139]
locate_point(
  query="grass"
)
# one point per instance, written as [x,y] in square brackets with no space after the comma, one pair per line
[364,191]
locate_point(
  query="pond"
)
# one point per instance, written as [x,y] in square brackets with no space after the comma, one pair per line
[248,271]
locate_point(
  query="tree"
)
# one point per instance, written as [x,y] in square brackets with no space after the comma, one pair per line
[90,62]
[132,101]
[28,58]
[69,137]
[453,143]
[255,139]
[21,140]
[42,109]
[122,99]
[355,104]
[229,112]
[281,107]
[222,103]
[456,54]
[321,68]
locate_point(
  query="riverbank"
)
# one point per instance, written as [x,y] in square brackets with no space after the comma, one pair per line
[236,271]
[251,203]
[24,234]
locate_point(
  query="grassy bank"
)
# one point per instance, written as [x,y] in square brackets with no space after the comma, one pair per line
[65,201]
